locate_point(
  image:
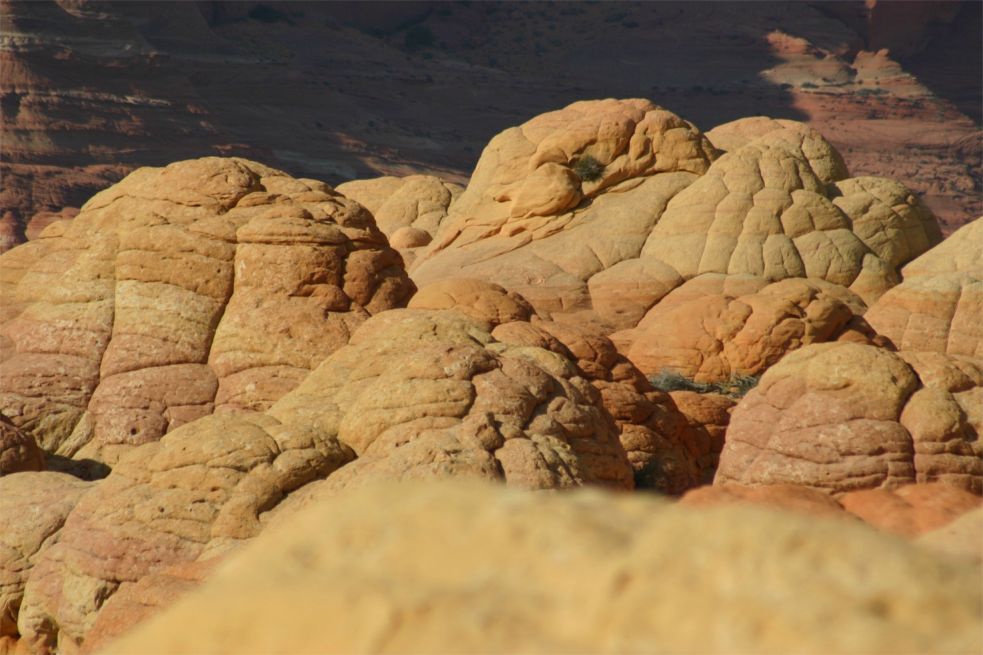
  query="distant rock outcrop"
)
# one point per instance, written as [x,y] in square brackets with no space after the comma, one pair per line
[209,284]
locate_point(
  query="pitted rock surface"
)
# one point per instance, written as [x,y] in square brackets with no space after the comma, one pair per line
[197,489]
[424,393]
[33,509]
[824,160]
[842,417]
[665,451]
[209,284]
[581,571]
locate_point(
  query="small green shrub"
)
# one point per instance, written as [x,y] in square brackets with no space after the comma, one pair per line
[736,386]
[588,168]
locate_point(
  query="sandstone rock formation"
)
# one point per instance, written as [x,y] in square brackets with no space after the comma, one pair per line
[666,452]
[964,536]
[210,284]
[842,417]
[194,491]
[787,497]
[18,451]
[528,221]
[33,509]
[421,393]
[779,207]
[585,572]
[912,510]
[939,304]
[409,210]
[702,332]
[664,210]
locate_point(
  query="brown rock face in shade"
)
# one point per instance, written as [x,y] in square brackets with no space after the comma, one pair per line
[18,451]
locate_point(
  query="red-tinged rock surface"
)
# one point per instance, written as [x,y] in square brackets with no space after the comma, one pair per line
[215,283]
[787,497]
[844,417]
[199,488]
[338,92]
[702,333]
[33,509]
[135,602]
[912,510]
[667,452]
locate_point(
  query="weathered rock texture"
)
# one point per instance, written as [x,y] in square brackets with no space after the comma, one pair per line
[210,284]
[565,573]
[421,393]
[705,333]
[842,417]
[665,450]
[665,209]
[33,509]
[529,222]
[170,502]
[408,210]
[939,305]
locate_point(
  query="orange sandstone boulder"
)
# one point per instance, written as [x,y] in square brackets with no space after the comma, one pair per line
[939,304]
[196,490]
[842,417]
[912,510]
[702,332]
[33,509]
[530,222]
[210,284]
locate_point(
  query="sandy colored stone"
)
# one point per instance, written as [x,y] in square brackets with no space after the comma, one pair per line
[824,160]
[18,450]
[33,509]
[482,301]
[528,222]
[425,393]
[167,503]
[214,283]
[666,452]
[842,417]
[912,510]
[786,497]
[135,602]
[964,536]
[765,209]
[938,305]
[415,201]
[583,572]
[716,335]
